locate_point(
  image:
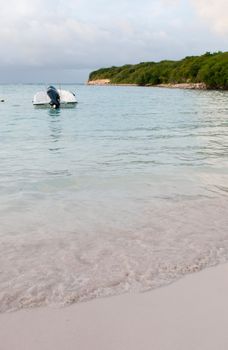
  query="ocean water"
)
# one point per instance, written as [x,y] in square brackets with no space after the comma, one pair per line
[124,193]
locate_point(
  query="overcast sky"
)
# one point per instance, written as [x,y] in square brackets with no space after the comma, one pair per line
[62,40]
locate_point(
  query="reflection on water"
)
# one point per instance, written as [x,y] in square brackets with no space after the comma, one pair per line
[54,112]
[54,123]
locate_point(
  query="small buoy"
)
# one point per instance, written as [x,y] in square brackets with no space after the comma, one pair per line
[2,100]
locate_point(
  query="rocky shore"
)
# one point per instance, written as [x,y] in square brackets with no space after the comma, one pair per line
[99,82]
[193,86]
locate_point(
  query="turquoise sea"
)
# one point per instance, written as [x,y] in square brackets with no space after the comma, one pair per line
[124,193]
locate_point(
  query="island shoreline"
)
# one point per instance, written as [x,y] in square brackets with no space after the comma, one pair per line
[187,86]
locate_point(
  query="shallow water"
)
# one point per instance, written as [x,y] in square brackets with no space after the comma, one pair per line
[126,192]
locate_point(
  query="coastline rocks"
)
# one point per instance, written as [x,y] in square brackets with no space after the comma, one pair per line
[194,86]
[99,82]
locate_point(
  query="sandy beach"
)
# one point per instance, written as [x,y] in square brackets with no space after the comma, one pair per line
[189,314]
[191,86]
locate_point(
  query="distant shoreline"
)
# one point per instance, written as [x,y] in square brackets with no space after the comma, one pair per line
[205,72]
[190,86]
[106,82]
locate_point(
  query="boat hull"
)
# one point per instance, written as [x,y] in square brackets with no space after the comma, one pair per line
[42,100]
[62,105]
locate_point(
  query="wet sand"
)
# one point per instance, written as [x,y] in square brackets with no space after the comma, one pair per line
[190,314]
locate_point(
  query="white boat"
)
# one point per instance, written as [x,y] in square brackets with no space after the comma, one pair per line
[54,98]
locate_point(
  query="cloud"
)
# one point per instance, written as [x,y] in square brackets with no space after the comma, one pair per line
[36,34]
[78,33]
[75,34]
[215,13]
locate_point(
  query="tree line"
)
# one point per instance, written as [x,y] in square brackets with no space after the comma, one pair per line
[210,68]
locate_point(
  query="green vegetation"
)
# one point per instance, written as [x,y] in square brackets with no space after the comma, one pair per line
[210,68]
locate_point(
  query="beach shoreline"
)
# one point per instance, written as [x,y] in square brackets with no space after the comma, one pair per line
[189,86]
[188,314]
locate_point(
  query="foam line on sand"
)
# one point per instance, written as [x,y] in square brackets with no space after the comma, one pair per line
[190,314]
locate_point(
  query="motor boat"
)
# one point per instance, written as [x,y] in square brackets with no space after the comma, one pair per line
[54,98]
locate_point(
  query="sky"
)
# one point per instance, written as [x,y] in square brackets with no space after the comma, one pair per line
[63,40]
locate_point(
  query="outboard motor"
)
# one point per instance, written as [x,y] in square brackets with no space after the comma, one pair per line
[54,97]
